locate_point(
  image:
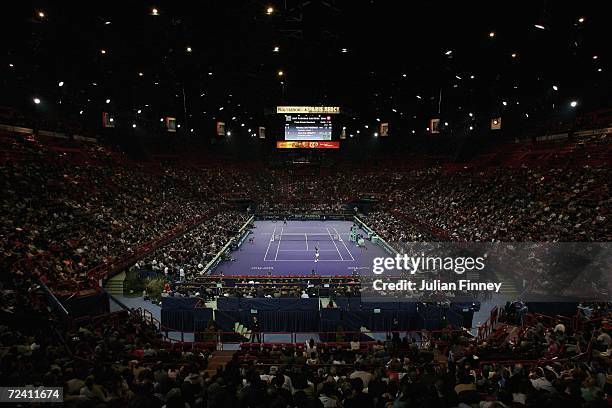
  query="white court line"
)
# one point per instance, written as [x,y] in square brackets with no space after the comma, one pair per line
[306,250]
[343,243]
[306,235]
[332,238]
[269,244]
[311,260]
[280,238]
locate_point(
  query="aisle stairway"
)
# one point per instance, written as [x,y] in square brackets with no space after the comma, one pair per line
[218,359]
[114,285]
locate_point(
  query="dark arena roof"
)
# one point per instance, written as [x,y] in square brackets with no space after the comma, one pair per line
[306,204]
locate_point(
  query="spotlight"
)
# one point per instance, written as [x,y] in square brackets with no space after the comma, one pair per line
[41,14]
[37,101]
[555,88]
[188,49]
[375,134]
[276,49]
[154,11]
[270,10]
[280,73]
[229,133]
[134,125]
[102,51]
[108,101]
[492,34]
[60,84]
[573,104]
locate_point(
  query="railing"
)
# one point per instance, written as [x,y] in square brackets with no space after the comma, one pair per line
[218,257]
[485,329]
[438,338]
[374,235]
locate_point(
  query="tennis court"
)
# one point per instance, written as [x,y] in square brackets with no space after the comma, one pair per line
[289,249]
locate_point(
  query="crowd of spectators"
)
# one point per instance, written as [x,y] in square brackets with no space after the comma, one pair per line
[62,217]
[187,256]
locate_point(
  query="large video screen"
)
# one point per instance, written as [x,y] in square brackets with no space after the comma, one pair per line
[303,127]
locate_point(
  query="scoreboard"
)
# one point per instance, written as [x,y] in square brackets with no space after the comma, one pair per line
[304,127]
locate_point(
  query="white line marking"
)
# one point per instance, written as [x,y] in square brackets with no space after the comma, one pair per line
[310,260]
[280,238]
[343,243]
[269,244]
[306,235]
[306,250]
[332,238]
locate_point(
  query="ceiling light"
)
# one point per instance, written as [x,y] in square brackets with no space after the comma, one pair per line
[573,104]
[188,49]
[581,20]
[449,52]
[139,111]
[513,55]
[102,51]
[134,125]
[492,34]
[108,101]
[270,10]
[41,14]
[276,49]
[60,84]
[154,11]
[539,26]
[344,50]
[37,101]
[281,73]
[555,88]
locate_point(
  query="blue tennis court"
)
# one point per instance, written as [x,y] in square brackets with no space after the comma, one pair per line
[289,249]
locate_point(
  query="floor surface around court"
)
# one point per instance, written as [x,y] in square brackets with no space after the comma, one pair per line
[292,251]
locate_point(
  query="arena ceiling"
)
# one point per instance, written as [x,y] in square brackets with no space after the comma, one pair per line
[396,61]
